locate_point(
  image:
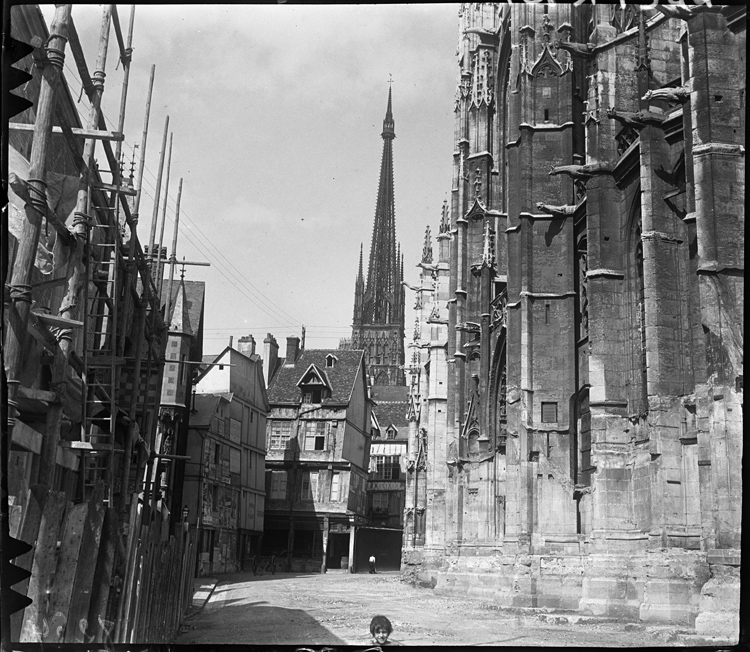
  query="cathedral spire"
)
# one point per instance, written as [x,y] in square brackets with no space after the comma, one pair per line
[388,124]
[359,290]
[380,306]
[378,326]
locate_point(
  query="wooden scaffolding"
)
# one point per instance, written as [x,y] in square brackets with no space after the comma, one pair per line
[84,339]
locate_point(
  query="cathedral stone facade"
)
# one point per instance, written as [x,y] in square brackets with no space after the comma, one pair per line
[577,401]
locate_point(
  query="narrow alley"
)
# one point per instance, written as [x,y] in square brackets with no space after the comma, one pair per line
[336,609]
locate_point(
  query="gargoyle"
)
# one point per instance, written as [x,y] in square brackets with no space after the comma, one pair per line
[583,50]
[635,119]
[555,210]
[582,172]
[485,35]
[469,327]
[678,95]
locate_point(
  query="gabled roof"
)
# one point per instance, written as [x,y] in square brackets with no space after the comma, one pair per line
[284,385]
[391,407]
[314,376]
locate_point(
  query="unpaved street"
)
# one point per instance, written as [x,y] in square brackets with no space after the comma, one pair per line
[336,608]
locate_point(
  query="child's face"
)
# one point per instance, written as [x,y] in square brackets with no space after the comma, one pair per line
[381,634]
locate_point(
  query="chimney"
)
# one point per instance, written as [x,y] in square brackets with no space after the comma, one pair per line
[246,345]
[270,357]
[292,350]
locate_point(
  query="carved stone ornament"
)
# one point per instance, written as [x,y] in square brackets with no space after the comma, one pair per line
[636,119]
[556,210]
[582,172]
[580,50]
[482,78]
[547,65]
[678,95]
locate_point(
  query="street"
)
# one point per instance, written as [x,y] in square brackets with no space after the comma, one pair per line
[336,609]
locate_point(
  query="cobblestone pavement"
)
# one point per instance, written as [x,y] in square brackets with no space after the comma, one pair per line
[336,608]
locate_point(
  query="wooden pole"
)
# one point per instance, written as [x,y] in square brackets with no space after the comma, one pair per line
[20,284]
[125,57]
[76,276]
[143,311]
[155,214]
[81,225]
[144,139]
[173,257]
[163,222]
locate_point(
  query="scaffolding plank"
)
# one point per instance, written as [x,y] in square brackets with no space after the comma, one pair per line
[29,531]
[86,446]
[67,564]
[123,190]
[76,131]
[52,320]
[42,567]
[84,577]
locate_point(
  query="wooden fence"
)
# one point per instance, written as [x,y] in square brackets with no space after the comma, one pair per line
[159,585]
[77,563]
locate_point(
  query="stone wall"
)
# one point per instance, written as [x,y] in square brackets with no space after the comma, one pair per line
[589,453]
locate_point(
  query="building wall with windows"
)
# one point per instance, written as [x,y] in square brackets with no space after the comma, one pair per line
[387,471]
[318,450]
[227,487]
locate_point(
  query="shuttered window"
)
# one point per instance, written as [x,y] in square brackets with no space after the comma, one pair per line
[549,412]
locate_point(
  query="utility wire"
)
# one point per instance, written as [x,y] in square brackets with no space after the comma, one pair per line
[221,262]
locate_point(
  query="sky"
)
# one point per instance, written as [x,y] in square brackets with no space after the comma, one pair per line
[276,113]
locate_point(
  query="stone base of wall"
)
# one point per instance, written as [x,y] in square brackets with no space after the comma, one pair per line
[717,615]
[668,586]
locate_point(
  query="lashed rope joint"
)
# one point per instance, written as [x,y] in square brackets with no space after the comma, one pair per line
[56,56]
[37,189]
[20,292]
[79,217]
[97,80]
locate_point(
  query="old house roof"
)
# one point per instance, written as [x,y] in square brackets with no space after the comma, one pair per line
[341,375]
[204,407]
[391,407]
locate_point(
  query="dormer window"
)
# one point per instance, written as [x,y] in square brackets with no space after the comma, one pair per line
[331,361]
[391,432]
[314,385]
[312,395]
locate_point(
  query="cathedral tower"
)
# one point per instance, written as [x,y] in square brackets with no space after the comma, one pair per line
[378,325]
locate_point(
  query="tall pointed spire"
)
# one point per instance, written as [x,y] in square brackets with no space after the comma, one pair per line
[388,124]
[379,306]
[359,275]
[359,291]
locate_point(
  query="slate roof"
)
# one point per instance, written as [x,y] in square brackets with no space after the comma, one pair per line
[284,388]
[204,407]
[392,405]
[194,293]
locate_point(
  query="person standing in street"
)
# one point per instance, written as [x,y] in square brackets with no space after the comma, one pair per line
[372,564]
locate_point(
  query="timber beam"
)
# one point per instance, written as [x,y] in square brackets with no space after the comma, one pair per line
[76,131]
